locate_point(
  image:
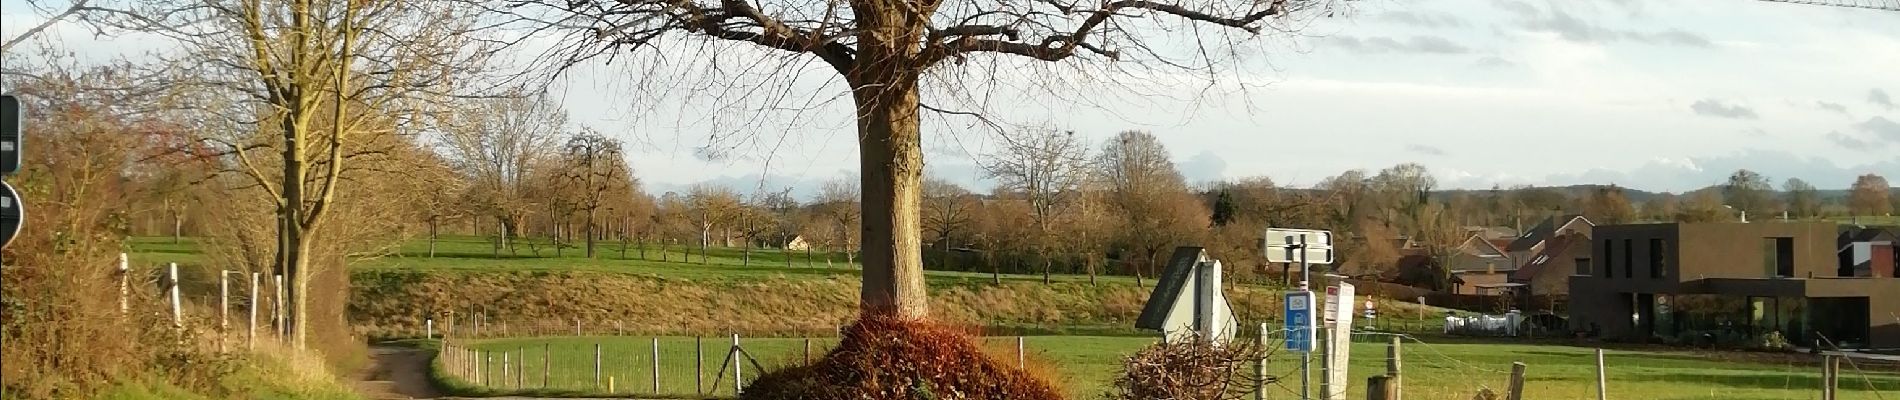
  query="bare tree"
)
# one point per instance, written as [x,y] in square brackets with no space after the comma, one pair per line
[947,212]
[784,211]
[838,201]
[1047,168]
[887,51]
[500,144]
[315,81]
[595,167]
[1145,190]
[711,206]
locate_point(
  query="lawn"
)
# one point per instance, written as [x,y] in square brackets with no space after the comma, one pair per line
[1085,367]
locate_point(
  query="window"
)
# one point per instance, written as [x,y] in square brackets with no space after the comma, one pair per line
[1608,251]
[1777,256]
[1629,258]
[1583,267]
[1656,259]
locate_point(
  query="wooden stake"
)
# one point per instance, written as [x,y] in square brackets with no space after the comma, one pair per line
[1021,361]
[699,368]
[1380,387]
[738,374]
[656,365]
[125,284]
[596,365]
[1394,382]
[547,363]
[254,299]
[1603,386]
[1517,382]
[178,315]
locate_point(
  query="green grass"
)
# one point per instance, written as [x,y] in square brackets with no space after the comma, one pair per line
[1085,367]
[476,254]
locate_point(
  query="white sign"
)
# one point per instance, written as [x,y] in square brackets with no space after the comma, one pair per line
[1296,245]
[1339,301]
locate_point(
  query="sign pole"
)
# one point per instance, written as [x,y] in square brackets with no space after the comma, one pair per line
[1306,358]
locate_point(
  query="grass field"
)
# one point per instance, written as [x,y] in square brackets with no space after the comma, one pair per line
[475,254]
[1085,366]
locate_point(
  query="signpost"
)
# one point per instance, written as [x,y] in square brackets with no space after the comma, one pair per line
[1299,321]
[12,212]
[1306,247]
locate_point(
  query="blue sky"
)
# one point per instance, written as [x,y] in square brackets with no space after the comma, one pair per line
[1652,95]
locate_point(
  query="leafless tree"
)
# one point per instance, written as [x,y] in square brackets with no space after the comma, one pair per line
[317,81]
[594,165]
[500,144]
[711,206]
[838,201]
[947,212]
[1047,168]
[888,53]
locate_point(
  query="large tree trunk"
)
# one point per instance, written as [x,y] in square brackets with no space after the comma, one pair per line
[292,237]
[590,233]
[892,163]
[432,232]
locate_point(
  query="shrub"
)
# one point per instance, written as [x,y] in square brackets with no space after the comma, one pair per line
[894,359]
[1189,368]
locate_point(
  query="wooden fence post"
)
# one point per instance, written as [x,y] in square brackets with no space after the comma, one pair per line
[1260,366]
[224,306]
[506,367]
[254,299]
[1021,360]
[547,363]
[1603,385]
[1830,377]
[488,367]
[738,374]
[125,284]
[1394,381]
[699,367]
[656,365]
[1517,382]
[277,309]
[178,315]
[1380,387]
[596,364]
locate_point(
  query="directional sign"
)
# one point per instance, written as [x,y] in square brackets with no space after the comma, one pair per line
[1299,321]
[10,121]
[1297,245]
[12,214]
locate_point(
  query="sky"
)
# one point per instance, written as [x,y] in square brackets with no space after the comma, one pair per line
[1659,96]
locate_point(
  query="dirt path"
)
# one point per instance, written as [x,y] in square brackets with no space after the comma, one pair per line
[397,373]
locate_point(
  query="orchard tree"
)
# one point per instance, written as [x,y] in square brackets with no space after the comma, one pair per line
[1047,169]
[889,53]
[1804,201]
[1870,196]
[1749,192]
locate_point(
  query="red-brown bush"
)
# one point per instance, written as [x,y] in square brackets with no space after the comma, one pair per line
[882,358]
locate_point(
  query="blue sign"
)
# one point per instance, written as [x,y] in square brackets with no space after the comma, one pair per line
[1299,321]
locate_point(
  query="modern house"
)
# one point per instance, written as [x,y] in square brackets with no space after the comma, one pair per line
[1478,253]
[1686,280]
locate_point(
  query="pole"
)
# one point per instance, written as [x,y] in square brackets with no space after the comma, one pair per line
[277,308]
[738,375]
[428,327]
[1517,382]
[1260,366]
[1306,357]
[224,305]
[254,300]
[125,284]
[1021,362]
[1829,381]
[178,316]
[547,362]
[1395,385]
[1603,386]
[596,365]
[699,367]
[656,365]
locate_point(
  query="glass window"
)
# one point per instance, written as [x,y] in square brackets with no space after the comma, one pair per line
[1778,257]
[1629,259]
[1656,259]
[1608,252]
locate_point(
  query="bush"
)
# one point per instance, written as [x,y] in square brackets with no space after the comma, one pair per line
[893,359]
[1189,368]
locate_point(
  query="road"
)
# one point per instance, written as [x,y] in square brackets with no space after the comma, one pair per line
[400,373]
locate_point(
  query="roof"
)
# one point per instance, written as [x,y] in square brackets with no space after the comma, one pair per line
[1554,250]
[1543,231]
[1173,280]
[1858,234]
